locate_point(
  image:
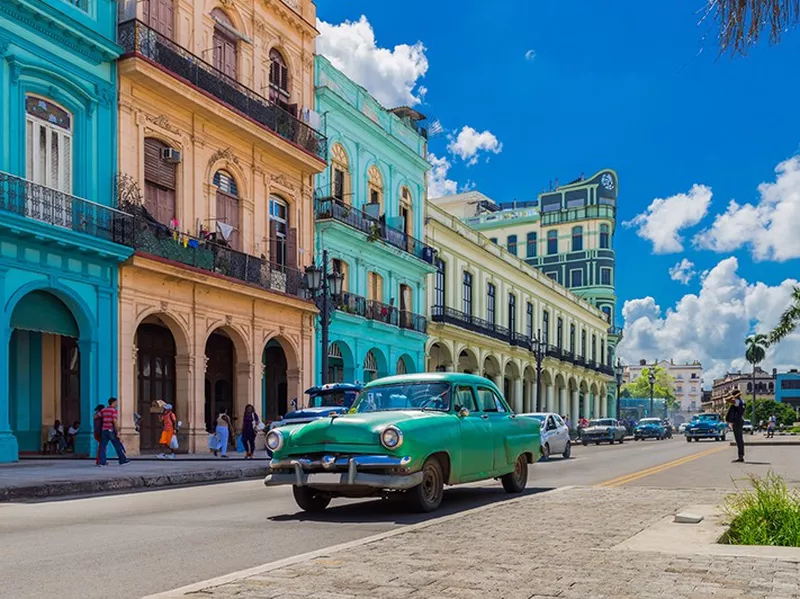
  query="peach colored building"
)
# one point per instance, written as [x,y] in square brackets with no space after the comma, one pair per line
[217,152]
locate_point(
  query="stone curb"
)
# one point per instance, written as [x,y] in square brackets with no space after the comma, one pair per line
[779,443]
[127,483]
[205,585]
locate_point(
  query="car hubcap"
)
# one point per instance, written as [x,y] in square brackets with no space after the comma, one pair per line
[429,484]
[518,469]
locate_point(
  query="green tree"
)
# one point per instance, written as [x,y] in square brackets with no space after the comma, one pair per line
[784,413]
[664,386]
[743,22]
[755,353]
[790,319]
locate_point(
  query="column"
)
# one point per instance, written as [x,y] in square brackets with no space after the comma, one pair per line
[497,379]
[562,400]
[9,449]
[551,397]
[597,407]
[294,386]
[573,411]
[587,405]
[603,401]
[518,405]
[84,441]
[128,353]
[191,409]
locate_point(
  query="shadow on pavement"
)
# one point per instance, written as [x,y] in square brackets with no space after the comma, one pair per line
[758,463]
[393,509]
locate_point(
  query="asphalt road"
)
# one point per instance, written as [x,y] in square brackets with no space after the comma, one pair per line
[133,545]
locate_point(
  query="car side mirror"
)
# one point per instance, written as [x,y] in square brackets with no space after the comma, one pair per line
[463,412]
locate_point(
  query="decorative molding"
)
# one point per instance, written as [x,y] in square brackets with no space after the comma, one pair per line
[104,93]
[162,121]
[282,181]
[4,44]
[229,4]
[228,319]
[224,154]
[261,27]
[134,353]
[15,70]
[164,306]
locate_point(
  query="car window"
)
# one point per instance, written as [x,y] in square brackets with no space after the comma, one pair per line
[488,400]
[465,398]
[558,420]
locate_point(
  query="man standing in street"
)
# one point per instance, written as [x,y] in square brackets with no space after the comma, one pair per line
[735,418]
[109,434]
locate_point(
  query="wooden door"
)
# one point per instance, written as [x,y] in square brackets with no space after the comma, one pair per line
[225,52]
[156,379]
[228,212]
[70,382]
[159,15]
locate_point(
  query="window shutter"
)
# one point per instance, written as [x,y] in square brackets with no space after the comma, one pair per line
[291,248]
[273,244]
[157,170]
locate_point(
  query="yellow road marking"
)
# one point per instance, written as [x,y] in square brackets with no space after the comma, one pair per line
[628,478]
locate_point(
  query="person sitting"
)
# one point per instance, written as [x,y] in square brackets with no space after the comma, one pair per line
[56,442]
[72,432]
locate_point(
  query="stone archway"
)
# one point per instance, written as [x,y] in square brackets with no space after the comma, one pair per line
[374,365]
[468,362]
[227,376]
[529,388]
[597,405]
[584,403]
[512,385]
[280,379]
[491,370]
[405,365]
[560,403]
[341,364]
[545,391]
[440,359]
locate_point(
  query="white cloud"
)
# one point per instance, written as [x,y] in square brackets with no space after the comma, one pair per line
[710,326]
[769,227]
[438,183]
[468,186]
[469,143]
[530,54]
[664,219]
[389,75]
[683,271]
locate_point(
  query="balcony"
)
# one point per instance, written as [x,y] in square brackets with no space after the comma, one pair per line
[466,321]
[521,340]
[140,41]
[357,305]
[329,208]
[615,331]
[62,210]
[573,214]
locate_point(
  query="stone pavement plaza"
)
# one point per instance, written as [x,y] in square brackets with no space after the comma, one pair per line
[551,544]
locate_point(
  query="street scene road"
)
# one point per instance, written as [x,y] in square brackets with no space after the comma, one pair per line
[191,534]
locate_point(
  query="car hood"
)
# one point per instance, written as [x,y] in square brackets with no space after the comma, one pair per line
[600,429]
[649,425]
[352,429]
[705,424]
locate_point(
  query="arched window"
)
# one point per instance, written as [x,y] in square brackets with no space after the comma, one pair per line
[224,43]
[278,79]
[49,144]
[531,246]
[577,239]
[407,211]
[159,15]
[228,208]
[370,367]
[375,187]
[160,182]
[341,267]
[340,174]
[552,242]
[605,237]
[401,366]
[374,286]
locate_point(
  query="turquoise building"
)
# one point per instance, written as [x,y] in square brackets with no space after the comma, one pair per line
[370,206]
[60,242]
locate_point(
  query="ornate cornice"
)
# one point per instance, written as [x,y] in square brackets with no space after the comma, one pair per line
[291,16]
[91,46]
[225,154]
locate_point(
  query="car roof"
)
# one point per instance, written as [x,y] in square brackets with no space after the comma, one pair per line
[334,387]
[433,377]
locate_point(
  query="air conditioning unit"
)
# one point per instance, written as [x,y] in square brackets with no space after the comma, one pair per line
[171,155]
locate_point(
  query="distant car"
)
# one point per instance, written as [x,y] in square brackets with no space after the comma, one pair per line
[682,427]
[603,430]
[649,428]
[748,427]
[706,426]
[555,434]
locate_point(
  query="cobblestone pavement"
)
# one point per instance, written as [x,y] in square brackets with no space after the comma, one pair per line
[548,545]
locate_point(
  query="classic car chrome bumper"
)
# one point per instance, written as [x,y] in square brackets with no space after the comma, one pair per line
[706,434]
[330,471]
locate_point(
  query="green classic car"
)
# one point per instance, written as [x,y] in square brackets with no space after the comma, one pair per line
[411,434]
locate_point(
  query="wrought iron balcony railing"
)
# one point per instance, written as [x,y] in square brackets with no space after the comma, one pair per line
[65,211]
[382,313]
[470,323]
[139,40]
[353,304]
[350,303]
[413,322]
[615,331]
[329,208]
[521,340]
[571,214]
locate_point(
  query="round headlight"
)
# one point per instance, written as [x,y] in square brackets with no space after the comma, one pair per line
[274,440]
[391,437]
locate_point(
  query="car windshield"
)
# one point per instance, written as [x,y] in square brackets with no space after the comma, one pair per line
[404,396]
[332,399]
[601,423]
[707,417]
[650,421]
[539,417]
[747,422]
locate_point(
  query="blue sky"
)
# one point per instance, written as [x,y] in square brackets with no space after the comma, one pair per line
[638,87]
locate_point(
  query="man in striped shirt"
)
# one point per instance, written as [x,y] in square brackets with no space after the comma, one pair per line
[110,416]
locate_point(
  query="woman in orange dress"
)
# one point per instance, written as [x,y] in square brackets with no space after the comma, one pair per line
[168,425]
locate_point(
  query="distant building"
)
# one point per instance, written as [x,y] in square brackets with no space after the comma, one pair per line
[787,388]
[743,381]
[688,380]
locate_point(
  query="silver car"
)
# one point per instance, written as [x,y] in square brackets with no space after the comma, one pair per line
[555,434]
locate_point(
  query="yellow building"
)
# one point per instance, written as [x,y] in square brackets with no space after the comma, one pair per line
[217,159]
[491,312]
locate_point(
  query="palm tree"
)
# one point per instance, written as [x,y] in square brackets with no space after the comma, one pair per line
[742,22]
[789,321]
[755,354]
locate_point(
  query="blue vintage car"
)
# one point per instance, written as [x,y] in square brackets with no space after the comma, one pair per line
[706,426]
[649,428]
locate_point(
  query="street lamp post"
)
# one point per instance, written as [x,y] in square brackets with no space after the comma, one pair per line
[651,378]
[618,372]
[539,349]
[325,287]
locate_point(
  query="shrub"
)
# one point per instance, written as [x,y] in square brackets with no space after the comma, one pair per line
[767,514]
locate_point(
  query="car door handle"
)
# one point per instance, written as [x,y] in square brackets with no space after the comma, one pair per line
[485,416]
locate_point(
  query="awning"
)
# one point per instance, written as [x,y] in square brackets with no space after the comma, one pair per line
[43,312]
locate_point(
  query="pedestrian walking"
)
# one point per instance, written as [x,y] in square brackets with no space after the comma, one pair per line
[735,417]
[771,427]
[169,428]
[97,429]
[110,433]
[249,430]
[223,430]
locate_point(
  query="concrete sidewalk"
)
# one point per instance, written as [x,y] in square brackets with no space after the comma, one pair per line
[555,544]
[37,479]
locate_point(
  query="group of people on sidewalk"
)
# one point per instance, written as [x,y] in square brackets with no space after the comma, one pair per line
[218,441]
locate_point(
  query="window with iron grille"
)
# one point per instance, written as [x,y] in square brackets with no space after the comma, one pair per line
[439,284]
[467,293]
[512,312]
[490,305]
[546,327]
[529,321]
[560,332]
